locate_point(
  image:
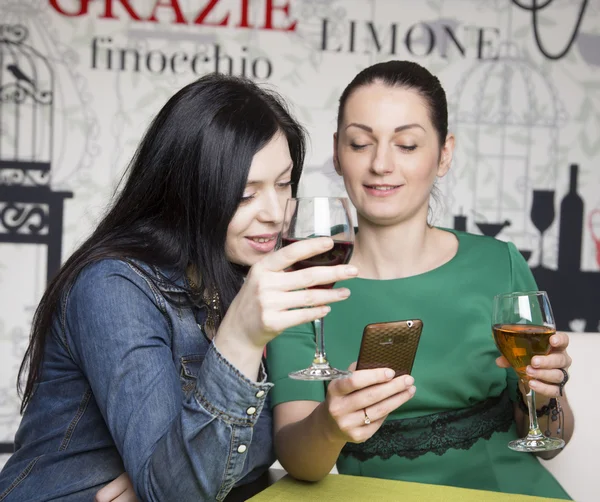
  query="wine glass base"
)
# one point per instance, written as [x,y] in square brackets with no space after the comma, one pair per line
[533,444]
[320,372]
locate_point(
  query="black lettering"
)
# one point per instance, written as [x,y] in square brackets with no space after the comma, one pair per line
[162,59]
[199,56]
[408,40]
[218,60]
[136,54]
[243,62]
[96,42]
[379,43]
[482,43]
[324,38]
[267,65]
[451,36]
[174,57]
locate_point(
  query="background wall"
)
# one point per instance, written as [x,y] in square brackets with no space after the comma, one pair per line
[80,80]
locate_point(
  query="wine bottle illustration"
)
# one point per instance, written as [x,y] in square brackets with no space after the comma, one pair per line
[571,227]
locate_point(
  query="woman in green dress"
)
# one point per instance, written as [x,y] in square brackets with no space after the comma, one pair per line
[391,145]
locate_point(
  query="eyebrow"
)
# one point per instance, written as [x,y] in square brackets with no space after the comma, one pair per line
[398,129]
[256,182]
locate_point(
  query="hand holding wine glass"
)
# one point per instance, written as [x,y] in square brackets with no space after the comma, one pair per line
[273,299]
[306,218]
[545,373]
[523,325]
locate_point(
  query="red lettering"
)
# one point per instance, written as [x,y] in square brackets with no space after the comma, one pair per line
[269,8]
[244,20]
[83,8]
[202,16]
[179,19]
[108,10]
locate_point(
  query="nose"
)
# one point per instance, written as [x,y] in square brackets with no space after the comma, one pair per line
[272,208]
[383,162]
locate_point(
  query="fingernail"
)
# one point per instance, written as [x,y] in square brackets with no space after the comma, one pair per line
[554,339]
[530,370]
[409,380]
[344,292]
[351,270]
[326,309]
[533,383]
[535,361]
[389,373]
[327,243]
[412,390]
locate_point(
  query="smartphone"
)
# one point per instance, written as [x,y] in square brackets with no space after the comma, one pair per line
[390,345]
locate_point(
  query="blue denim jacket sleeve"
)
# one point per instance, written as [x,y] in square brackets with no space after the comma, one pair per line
[175,446]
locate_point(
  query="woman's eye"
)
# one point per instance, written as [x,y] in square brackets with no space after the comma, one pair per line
[356,146]
[408,148]
[246,198]
[285,184]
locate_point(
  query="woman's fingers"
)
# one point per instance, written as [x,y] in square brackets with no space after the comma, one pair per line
[559,341]
[308,298]
[383,408]
[313,277]
[359,421]
[120,486]
[553,376]
[127,496]
[360,380]
[301,250]
[376,394]
[502,362]
[551,361]
[544,389]
[276,322]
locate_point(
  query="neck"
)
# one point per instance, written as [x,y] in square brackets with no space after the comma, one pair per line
[394,251]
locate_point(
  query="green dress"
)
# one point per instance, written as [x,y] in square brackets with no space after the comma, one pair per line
[456,428]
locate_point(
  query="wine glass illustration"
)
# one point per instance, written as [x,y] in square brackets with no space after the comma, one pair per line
[542,215]
[492,229]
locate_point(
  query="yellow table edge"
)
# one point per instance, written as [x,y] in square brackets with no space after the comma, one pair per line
[344,487]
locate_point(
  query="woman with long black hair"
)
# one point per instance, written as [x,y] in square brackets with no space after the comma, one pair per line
[146,349]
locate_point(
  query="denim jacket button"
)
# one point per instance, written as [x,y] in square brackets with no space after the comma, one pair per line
[260,393]
[242,448]
[251,410]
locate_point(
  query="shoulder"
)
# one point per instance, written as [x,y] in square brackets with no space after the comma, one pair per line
[482,245]
[101,272]
[479,241]
[112,280]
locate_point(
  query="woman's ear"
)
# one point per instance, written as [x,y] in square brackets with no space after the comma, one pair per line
[446,156]
[336,161]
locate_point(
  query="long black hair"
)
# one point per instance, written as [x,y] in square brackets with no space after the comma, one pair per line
[182,189]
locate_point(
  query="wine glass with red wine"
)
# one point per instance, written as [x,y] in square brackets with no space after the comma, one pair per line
[522,324]
[307,218]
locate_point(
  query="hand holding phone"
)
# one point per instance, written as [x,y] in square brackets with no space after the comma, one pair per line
[390,345]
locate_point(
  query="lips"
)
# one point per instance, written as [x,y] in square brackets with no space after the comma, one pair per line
[382,190]
[262,243]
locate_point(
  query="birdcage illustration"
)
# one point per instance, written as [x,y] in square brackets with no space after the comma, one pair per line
[507,116]
[30,212]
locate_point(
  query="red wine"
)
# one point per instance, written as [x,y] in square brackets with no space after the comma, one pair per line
[338,255]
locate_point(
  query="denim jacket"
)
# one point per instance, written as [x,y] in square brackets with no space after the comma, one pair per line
[130,382]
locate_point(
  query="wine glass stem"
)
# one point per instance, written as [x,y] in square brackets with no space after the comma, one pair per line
[534,429]
[541,249]
[320,356]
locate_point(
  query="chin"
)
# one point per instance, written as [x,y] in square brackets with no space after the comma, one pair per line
[383,216]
